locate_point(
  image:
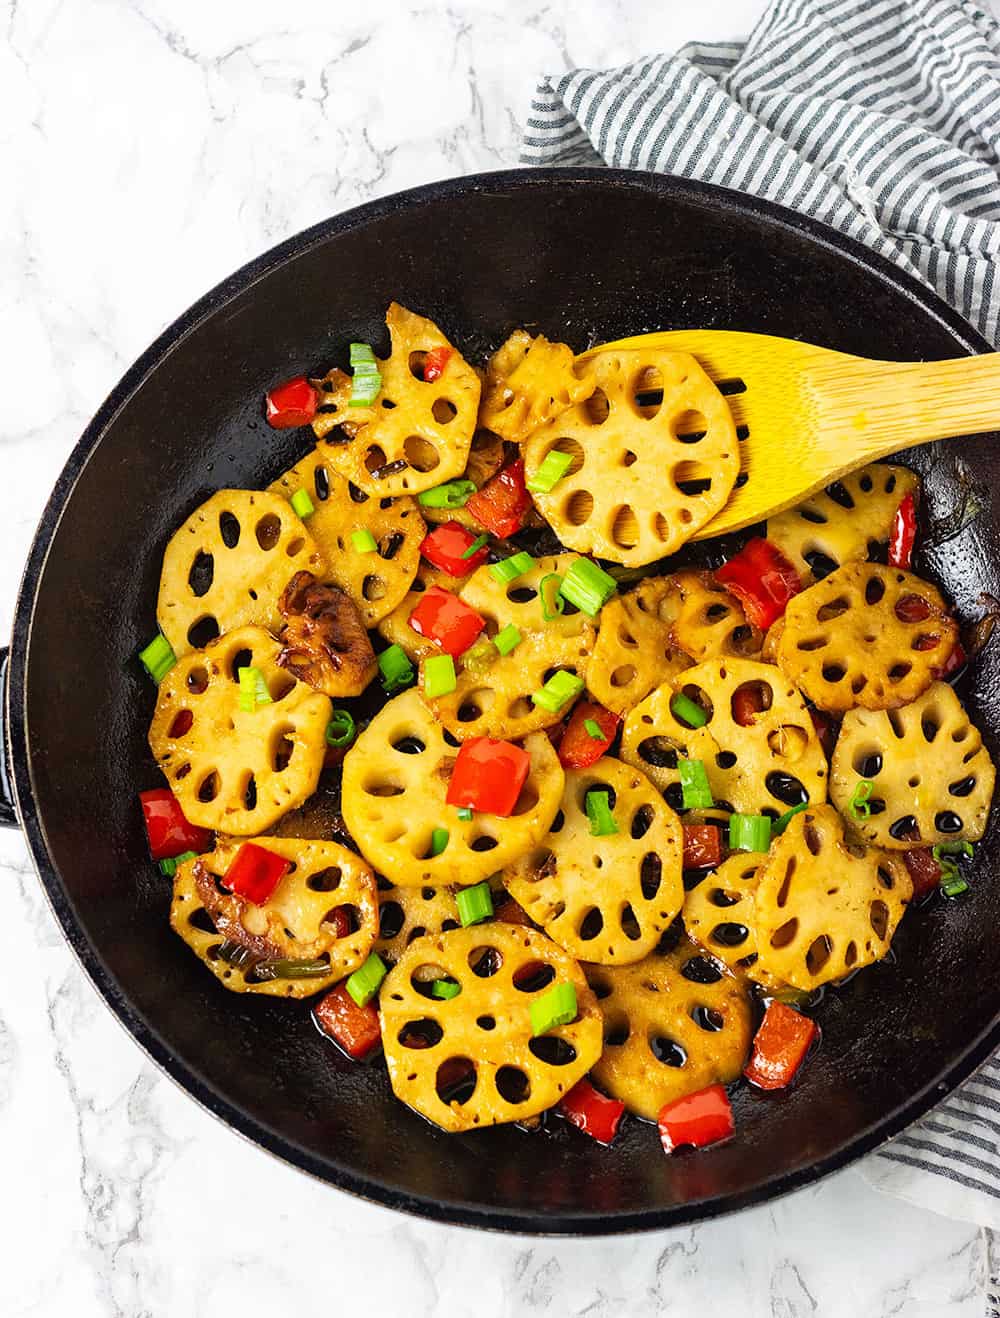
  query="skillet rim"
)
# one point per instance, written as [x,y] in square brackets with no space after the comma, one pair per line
[527,1221]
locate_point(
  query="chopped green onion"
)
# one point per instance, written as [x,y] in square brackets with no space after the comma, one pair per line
[396,669]
[857,806]
[952,849]
[552,601]
[340,730]
[509,569]
[779,825]
[593,729]
[954,887]
[439,840]
[361,352]
[950,876]
[253,689]
[439,676]
[602,821]
[749,832]
[508,638]
[287,968]
[465,813]
[302,505]
[550,473]
[587,586]
[695,786]
[476,545]
[453,494]
[474,904]
[445,989]
[158,657]
[479,658]
[686,711]
[557,1007]
[557,691]
[367,379]
[363,541]
[168,867]
[364,983]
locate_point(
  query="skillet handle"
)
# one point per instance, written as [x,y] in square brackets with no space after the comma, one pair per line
[8,814]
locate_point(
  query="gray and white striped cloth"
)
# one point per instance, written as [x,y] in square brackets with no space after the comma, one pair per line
[882,118]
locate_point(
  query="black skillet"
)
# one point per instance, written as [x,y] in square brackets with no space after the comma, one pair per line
[583,256]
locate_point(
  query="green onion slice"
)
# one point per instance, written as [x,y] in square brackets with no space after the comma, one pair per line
[779,825]
[396,669]
[954,887]
[452,494]
[509,569]
[602,821]
[302,505]
[168,867]
[587,586]
[557,1007]
[364,983]
[479,658]
[557,691]
[340,731]
[686,711]
[445,989]
[439,840]
[158,657]
[288,968]
[593,729]
[508,638]
[857,806]
[550,473]
[361,352]
[439,676]
[363,541]
[952,849]
[749,832]
[551,600]
[367,379]
[465,813]
[253,689]
[477,544]
[695,785]
[474,904]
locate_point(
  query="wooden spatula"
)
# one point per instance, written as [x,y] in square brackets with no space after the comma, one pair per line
[806,415]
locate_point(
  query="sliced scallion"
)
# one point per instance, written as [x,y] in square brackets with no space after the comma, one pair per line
[749,832]
[158,657]
[396,669]
[340,730]
[168,867]
[364,983]
[363,541]
[557,691]
[302,505]
[474,904]
[509,569]
[695,787]
[366,377]
[508,638]
[587,586]
[551,600]
[557,1007]
[858,806]
[289,968]
[594,729]
[439,840]
[779,825]
[553,468]
[684,709]
[253,689]
[453,494]
[480,542]
[602,821]
[439,676]
[465,813]
[445,989]
[954,887]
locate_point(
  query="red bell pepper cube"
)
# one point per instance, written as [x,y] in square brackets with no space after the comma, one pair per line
[446,620]
[903,533]
[354,1029]
[512,912]
[779,1047]
[488,776]
[577,748]
[291,404]
[925,871]
[435,362]
[446,546]
[500,506]
[762,579]
[702,846]
[592,1112]
[699,1119]
[168,832]
[255,872]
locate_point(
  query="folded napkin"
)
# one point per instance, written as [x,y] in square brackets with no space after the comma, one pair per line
[882,118]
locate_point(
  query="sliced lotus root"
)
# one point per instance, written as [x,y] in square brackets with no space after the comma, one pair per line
[933,777]
[323,639]
[409,913]
[396,777]
[376,582]
[228,564]
[634,651]
[485,460]
[719,914]
[842,523]
[605,899]
[771,764]
[418,433]
[645,475]
[395,626]
[825,907]
[234,770]
[708,622]
[868,636]
[471,1060]
[325,909]
[673,1024]
[530,381]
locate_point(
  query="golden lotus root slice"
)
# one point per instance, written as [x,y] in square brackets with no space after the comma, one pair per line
[395,781]
[842,523]
[866,636]
[719,914]
[825,907]
[530,381]
[376,581]
[234,770]
[325,910]
[674,1023]
[932,776]
[409,913]
[228,565]
[771,764]
[634,651]
[418,433]
[472,1060]
[654,457]
[605,899]
[395,626]
[708,622]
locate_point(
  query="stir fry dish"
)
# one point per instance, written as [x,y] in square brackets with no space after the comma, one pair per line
[561,819]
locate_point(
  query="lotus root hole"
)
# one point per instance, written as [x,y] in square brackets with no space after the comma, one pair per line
[785,934]
[533,976]
[624,527]
[650,874]
[692,478]
[878,916]
[422,1033]
[819,953]
[203,631]
[874,590]
[552,1050]
[667,1051]
[623,675]
[578,507]
[456,1079]
[512,1084]
[268,531]
[596,408]
[789,741]
[689,427]
[590,925]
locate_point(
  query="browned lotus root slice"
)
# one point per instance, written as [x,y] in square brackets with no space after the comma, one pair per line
[719,914]
[606,899]
[396,777]
[634,651]
[770,765]
[843,521]
[673,1024]
[418,433]
[297,922]
[229,562]
[708,623]
[825,907]
[485,459]
[626,495]
[376,582]
[409,913]
[395,626]
[323,639]
[530,381]
[868,636]
[234,770]
[471,1060]
[929,768]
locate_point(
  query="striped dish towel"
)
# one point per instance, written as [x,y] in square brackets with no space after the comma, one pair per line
[882,118]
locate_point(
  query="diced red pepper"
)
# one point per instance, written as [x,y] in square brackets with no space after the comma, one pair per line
[512,912]
[592,1112]
[779,1047]
[699,1119]
[446,544]
[826,730]
[291,404]
[925,871]
[955,662]
[488,776]
[762,579]
[500,506]
[355,1029]
[168,832]
[435,362]
[255,872]
[903,533]
[446,620]
[577,748]
[702,846]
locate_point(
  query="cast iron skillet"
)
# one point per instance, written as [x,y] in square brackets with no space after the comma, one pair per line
[582,255]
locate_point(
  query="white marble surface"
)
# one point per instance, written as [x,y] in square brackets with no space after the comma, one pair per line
[147,148]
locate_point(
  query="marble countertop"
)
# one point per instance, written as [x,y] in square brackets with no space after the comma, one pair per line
[147,148]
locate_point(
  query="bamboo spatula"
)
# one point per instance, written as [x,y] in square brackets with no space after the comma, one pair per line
[807,415]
